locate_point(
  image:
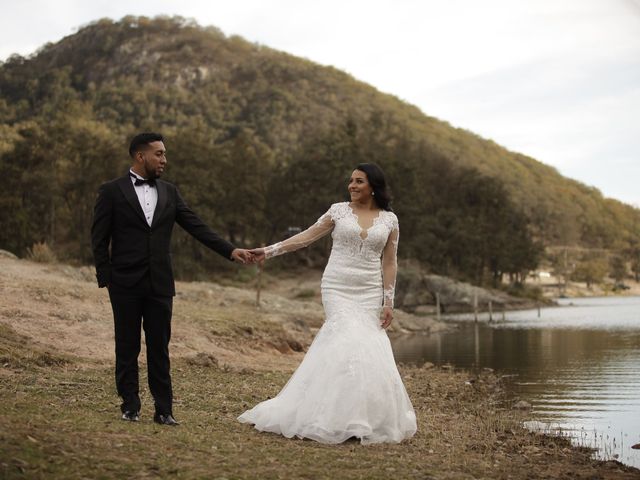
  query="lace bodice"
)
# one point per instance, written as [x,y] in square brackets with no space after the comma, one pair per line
[378,242]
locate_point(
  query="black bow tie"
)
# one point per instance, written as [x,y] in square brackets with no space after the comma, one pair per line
[141,181]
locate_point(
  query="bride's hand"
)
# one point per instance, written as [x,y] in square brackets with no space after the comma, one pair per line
[387,316]
[258,254]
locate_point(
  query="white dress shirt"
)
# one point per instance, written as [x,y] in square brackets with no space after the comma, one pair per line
[147,196]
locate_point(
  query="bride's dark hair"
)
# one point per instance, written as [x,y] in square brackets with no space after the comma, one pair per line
[378,182]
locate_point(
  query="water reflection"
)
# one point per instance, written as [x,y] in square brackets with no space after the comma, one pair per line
[579,366]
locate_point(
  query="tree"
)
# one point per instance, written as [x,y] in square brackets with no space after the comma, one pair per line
[590,270]
[563,263]
[260,141]
[632,254]
[29,194]
[617,268]
[316,177]
[52,176]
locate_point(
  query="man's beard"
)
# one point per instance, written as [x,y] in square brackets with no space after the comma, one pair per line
[151,174]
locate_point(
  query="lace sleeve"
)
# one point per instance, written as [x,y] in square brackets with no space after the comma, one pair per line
[390,266]
[322,227]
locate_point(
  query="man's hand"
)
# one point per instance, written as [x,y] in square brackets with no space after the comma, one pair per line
[243,256]
[258,254]
[387,317]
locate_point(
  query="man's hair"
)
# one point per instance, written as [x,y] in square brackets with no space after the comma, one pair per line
[141,140]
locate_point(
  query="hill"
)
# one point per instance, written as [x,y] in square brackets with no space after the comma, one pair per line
[260,140]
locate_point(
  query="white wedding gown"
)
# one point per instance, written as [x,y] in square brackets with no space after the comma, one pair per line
[347,384]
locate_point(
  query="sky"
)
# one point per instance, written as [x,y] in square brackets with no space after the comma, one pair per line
[555,80]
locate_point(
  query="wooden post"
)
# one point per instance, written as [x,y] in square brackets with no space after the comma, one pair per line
[260,267]
[475,305]
[490,311]
[438,306]
[503,313]
[538,306]
[565,275]
[476,343]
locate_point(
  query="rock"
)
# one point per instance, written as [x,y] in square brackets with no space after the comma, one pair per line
[406,322]
[636,446]
[295,345]
[522,405]
[281,345]
[8,254]
[411,291]
[203,360]
[416,292]
[245,329]
[425,310]
[428,365]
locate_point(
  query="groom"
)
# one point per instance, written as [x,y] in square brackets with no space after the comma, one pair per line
[135,214]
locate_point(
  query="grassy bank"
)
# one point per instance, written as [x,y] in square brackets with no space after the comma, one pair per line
[60,421]
[59,418]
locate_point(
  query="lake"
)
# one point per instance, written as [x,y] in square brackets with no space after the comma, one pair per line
[578,364]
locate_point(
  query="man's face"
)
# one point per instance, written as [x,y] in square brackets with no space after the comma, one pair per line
[153,159]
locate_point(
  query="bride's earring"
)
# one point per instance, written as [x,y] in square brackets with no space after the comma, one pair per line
[373,194]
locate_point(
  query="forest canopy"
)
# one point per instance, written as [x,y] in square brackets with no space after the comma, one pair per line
[259,142]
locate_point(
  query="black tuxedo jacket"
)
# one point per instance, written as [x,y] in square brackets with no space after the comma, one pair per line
[136,247]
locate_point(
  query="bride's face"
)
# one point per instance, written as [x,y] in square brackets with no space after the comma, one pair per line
[359,188]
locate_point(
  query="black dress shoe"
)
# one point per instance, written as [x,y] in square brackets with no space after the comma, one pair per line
[131,416]
[165,419]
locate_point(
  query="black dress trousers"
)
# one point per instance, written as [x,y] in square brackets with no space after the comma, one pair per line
[135,307]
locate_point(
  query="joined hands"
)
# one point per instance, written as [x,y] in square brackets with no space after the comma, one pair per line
[248,257]
[243,256]
[258,254]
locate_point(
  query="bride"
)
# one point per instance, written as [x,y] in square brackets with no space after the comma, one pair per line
[347,384]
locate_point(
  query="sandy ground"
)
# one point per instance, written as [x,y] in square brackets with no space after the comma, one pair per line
[61,306]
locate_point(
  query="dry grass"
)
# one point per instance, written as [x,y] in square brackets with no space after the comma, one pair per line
[60,410]
[60,421]
[42,253]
